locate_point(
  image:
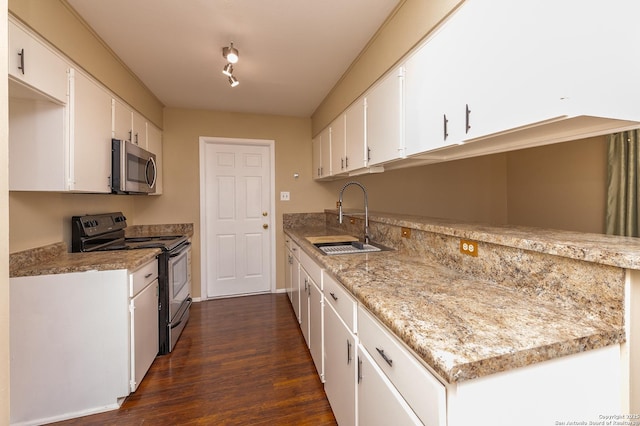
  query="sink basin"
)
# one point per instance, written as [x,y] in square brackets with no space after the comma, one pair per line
[348,247]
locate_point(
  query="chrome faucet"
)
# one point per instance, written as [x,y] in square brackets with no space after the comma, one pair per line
[366,208]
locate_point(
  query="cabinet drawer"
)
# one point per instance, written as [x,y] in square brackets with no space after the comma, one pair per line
[313,269]
[142,277]
[295,250]
[422,391]
[338,297]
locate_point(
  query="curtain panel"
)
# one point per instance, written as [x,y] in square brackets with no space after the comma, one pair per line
[623,182]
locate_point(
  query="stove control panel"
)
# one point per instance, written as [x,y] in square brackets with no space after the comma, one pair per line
[93,225]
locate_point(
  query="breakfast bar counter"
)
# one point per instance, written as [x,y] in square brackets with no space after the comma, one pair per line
[468,317]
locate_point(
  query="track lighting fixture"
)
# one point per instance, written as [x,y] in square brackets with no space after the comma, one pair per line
[230,53]
[228,70]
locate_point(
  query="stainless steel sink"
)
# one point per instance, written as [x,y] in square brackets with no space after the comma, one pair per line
[348,247]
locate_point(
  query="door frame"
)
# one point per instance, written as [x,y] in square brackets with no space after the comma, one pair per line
[204,141]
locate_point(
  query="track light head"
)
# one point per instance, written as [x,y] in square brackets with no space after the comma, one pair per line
[228,70]
[233,81]
[230,53]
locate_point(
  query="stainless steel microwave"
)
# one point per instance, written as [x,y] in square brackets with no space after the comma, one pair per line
[133,169]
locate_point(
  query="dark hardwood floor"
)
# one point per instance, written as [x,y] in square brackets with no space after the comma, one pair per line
[239,361]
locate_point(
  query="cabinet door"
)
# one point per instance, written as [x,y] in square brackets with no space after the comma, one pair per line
[296,290]
[316,146]
[379,403]
[139,129]
[355,142]
[529,74]
[337,140]
[322,154]
[429,121]
[90,138]
[316,327]
[339,368]
[384,119]
[305,282]
[122,121]
[154,144]
[35,64]
[144,332]
[288,270]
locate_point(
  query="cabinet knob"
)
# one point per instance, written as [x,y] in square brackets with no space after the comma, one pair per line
[265,225]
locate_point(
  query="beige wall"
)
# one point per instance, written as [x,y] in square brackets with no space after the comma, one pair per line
[468,190]
[560,186]
[4,225]
[41,218]
[56,22]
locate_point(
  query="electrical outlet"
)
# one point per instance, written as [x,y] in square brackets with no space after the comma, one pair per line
[285,196]
[469,247]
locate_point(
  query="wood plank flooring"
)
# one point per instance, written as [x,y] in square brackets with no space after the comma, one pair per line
[239,361]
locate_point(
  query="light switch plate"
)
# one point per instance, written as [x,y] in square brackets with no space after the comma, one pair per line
[285,196]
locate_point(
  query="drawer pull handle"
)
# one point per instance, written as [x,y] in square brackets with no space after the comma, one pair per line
[334,296]
[385,357]
[148,275]
[359,370]
[348,351]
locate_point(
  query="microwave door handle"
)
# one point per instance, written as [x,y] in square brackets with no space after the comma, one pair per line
[155,172]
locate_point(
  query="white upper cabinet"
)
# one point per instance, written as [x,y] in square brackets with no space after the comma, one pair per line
[338,145]
[61,121]
[384,123]
[498,76]
[322,154]
[90,138]
[355,139]
[32,62]
[139,130]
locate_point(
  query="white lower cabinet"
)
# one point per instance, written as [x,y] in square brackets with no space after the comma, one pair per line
[379,403]
[294,283]
[372,378]
[316,327]
[304,306]
[77,347]
[340,360]
[144,306]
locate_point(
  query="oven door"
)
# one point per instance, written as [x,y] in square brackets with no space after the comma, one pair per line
[179,279]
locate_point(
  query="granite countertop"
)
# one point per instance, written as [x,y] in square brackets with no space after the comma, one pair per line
[623,252]
[54,259]
[461,327]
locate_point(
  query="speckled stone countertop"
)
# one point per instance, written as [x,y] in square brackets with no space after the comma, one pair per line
[623,252]
[461,326]
[55,258]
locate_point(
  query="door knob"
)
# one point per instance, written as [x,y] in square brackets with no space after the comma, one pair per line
[265,225]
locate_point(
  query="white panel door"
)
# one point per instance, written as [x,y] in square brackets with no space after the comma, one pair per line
[237,204]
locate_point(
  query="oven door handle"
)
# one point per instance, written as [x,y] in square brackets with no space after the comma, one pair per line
[184,247]
[188,303]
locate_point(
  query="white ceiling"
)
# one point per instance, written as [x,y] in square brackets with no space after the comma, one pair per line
[292,52]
